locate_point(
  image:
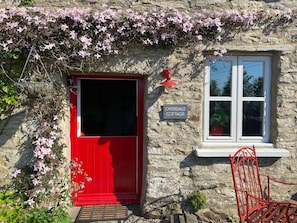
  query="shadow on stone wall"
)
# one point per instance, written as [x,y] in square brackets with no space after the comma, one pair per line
[167,208]
[25,152]
[158,207]
[267,1]
[14,138]
[10,126]
[176,209]
[154,96]
[12,145]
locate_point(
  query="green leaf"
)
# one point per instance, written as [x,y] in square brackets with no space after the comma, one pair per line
[5,89]
[13,55]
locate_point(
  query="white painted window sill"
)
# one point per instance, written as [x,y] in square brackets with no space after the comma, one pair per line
[261,152]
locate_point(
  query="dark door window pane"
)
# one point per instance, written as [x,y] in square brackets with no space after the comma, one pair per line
[108,107]
[220,78]
[252,123]
[219,118]
[253,79]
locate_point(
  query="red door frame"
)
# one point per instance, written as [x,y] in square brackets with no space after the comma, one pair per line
[140,111]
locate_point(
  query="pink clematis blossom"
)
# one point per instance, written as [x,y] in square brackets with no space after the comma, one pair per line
[16,173]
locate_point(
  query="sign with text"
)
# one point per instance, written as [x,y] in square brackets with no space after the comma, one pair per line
[173,112]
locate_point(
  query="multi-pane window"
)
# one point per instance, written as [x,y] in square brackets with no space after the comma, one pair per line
[237,95]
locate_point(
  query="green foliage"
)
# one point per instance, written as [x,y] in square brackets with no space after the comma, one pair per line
[10,70]
[25,3]
[8,96]
[174,208]
[59,215]
[11,207]
[45,215]
[13,210]
[233,219]
[197,200]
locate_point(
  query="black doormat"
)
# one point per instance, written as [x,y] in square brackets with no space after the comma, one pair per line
[102,213]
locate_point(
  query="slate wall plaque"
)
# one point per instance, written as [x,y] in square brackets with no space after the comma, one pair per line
[175,112]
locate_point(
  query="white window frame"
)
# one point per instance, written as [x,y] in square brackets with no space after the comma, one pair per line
[236,100]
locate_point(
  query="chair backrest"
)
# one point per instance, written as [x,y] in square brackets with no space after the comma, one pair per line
[247,181]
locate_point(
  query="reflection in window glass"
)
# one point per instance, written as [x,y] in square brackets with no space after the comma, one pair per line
[220,78]
[252,123]
[219,118]
[253,79]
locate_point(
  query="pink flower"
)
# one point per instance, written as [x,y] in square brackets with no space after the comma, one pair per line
[83,53]
[86,41]
[35,181]
[147,42]
[248,19]
[30,202]
[36,56]
[220,52]
[21,29]
[12,25]
[16,173]
[49,46]
[199,37]
[64,27]
[97,55]
[164,36]
[5,47]
[51,182]
[73,34]
[82,185]
[187,26]
[101,28]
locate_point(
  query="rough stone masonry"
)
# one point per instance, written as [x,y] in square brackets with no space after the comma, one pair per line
[171,169]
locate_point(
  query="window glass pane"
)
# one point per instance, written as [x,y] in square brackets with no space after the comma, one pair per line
[108,107]
[252,123]
[253,79]
[219,118]
[220,78]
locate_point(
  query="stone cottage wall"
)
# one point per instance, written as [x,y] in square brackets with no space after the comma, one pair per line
[171,169]
[11,138]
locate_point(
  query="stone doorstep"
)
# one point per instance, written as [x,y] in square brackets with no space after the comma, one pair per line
[73,212]
[133,216]
[178,218]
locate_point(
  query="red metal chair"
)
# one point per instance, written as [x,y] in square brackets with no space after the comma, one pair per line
[251,203]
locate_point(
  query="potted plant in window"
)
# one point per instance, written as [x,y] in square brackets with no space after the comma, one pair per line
[218,121]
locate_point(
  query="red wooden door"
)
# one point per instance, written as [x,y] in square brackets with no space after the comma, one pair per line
[106,136]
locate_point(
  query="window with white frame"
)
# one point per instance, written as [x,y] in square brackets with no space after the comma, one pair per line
[237,99]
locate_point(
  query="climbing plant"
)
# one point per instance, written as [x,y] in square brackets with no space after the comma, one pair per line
[10,69]
[64,36]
